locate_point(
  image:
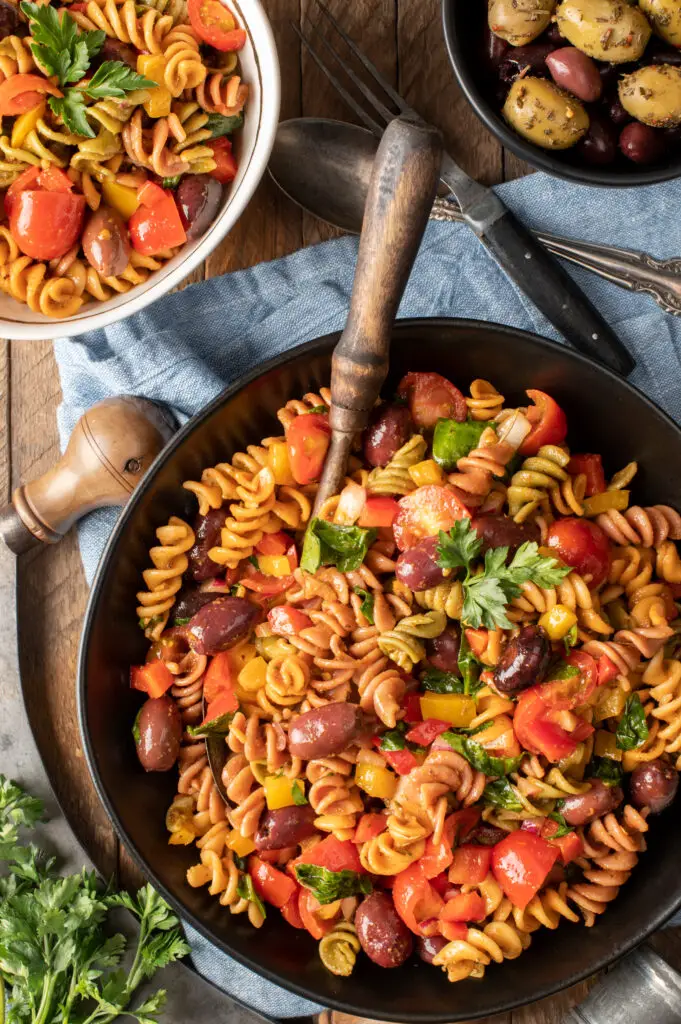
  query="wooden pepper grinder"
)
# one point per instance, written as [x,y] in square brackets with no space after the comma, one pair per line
[403,182]
[111,448]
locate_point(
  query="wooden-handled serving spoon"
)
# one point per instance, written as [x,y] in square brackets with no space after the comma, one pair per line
[401,193]
[111,448]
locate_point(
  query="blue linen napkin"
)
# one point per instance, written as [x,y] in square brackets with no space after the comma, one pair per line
[186,348]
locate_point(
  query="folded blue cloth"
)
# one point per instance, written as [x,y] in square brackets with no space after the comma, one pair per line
[187,347]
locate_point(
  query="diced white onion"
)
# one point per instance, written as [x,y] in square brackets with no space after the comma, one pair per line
[515,429]
[352,501]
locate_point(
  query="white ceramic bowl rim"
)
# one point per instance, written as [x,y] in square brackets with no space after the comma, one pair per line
[261,69]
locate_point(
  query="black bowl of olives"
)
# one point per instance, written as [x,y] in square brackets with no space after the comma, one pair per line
[588,90]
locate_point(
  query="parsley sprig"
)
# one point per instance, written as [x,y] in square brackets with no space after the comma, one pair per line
[488,591]
[61,49]
[57,957]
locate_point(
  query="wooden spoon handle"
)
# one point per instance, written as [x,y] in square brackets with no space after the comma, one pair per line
[401,193]
[112,446]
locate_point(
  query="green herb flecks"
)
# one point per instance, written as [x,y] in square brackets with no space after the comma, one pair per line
[328,886]
[479,757]
[632,728]
[367,605]
[328,544]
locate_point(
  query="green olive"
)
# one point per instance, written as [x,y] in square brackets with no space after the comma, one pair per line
[653,95]
[608,30]
[665,17]
[519,21]
[544,114]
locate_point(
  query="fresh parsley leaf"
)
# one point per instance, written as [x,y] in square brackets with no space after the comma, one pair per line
[458,548]
[453,440]
[246,890]
[632,728]
[136,727]
[606,769]
[298,794]
[441,682]
[328,544]
[59,46]
[479,758]
[214,727]
[328,886]
[219,125]
[394,740]
[71,108]
[564,829]
[570,639]
[528,564]
[367,605]
[501,794]
[485,603]
[114,78]
[469,667]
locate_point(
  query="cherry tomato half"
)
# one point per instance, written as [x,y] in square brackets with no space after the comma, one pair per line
[308,438]
[215,24]
[378,510]
[549,423]
[520,864]
[415,898]
[425,512]
[534,725]
[155,225]
[226,165]
[583,545]
[285,620]
[46,224]
[20,93]
[432,397]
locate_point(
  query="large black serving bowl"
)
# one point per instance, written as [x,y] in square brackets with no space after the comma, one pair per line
[463,22]
[606,415]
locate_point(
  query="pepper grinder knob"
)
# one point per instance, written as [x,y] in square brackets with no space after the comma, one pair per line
[112,446]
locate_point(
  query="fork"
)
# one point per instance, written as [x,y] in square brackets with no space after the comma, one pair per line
[533,269]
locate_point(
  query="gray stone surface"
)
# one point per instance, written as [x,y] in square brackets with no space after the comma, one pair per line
[189,997]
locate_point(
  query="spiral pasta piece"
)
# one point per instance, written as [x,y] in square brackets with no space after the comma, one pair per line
[476,471]
[170,561]
[395,478]
[338,949]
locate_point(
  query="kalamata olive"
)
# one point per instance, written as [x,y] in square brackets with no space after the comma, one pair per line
[584,807]
[617,114]
[10,22]
[114,49]
[653,784]
[198,198]
[599,145]
[574,71]
[501,532]
[207,532]
[324,731]
[286,826]
[160,732]
[664,55]
[189,600]
[218,625]
[443,650]
[106,242]
[389,428]
[642,144]
[417,568]
[486,835]
[521,57]
[383,935]
[428,947]
[552,35]
[610,74]
[672,137]
[524,661]
[494,49]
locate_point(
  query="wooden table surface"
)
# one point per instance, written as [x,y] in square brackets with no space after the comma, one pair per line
[404,38]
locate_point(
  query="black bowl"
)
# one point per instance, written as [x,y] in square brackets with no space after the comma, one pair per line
[606,414]
[463,22]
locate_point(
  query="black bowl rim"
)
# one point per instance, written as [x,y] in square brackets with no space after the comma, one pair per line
[525,150]
[316,346]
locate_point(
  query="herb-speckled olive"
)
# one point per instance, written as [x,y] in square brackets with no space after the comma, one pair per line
[519,21]
[544,114]
[653,95]
[607,30]
[665,17]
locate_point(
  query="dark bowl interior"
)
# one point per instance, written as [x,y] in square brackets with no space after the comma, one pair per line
[606,415]
[463,22]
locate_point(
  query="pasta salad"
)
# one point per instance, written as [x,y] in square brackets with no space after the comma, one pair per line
[449,703]
[117,122]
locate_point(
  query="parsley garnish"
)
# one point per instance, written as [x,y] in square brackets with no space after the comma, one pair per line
[298,794]
[394,740]
[329,886]
[632,728]
[62,49]
[328,544]
[501,794]
[486,593]
[607,769]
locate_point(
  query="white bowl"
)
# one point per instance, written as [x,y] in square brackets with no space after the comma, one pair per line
[260,68]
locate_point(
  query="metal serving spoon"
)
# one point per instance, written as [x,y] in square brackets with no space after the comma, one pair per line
[324,166]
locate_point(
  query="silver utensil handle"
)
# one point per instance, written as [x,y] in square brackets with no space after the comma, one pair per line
[641,988]
[636,271]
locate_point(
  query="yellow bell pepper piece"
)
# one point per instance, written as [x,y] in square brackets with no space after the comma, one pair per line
[605,745]
[558,621]
[153,66]
[279,792]
[25,123]
[376,781]
[121,198]
[455,708]
[280,465]
[240,845]
[240,656]
[610,704]
[427,472]
[274,565]
[617,500]
[253,675]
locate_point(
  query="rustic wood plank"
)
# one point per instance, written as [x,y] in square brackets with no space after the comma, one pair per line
[5,443]
[51,596]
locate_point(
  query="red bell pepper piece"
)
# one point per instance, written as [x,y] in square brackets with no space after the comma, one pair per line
[592,468]
[370,826]
[520,864]
[465,906]
[286,620]
[334,854]
[412,708]
[271,885]
[218,681]
[152,678]
[425,732]
[416,901]
[453,931]
[401,761]
[470,865]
